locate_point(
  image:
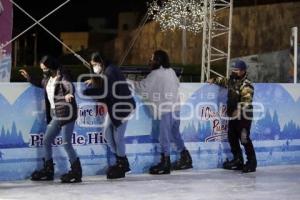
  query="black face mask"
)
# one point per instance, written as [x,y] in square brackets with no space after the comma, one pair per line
[153,65]
[47,73]
[234,75]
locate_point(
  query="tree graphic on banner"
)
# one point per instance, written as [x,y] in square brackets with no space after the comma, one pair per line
[263,128]
[195,134]
[11,138]
[290,131]
[268,128]
[275,126]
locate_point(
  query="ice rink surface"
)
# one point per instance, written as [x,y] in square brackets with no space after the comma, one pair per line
[274,182]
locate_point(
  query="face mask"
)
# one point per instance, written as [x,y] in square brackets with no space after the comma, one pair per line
[46,73]
[153,65]
[97,69]
[234,75]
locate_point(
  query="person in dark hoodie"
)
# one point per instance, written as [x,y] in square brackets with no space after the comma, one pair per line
[61,113]
[120,104]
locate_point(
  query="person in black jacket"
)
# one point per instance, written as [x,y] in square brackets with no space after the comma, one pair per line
[120,104]
[61,113]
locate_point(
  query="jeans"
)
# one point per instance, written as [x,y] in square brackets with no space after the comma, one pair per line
[169,129]
[53,129]
[115,136]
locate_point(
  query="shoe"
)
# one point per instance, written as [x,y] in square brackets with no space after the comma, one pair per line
[119,169]
[249,167]
[185,161]
[45,174]
[251,163]
[234,164]
[75,175]
[126,165]
[163,167]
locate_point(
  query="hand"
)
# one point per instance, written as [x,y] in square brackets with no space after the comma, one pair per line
[89,82]
[130,83]
[235,113]
[24,73]
[69,98]
[210,81]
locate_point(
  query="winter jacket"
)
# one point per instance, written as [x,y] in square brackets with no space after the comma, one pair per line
[117,96]
[65,112]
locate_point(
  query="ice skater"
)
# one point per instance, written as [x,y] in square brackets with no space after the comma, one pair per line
[162,87]
[120,105]
[61,113]
[240,113]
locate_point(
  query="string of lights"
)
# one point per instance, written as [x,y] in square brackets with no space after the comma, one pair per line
[178,14]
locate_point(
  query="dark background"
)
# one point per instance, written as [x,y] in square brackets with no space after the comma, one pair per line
[73,17]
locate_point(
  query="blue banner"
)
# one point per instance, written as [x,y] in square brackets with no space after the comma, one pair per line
[275,130]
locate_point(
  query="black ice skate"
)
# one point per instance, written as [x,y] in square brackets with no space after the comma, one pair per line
[73,176]
[251,163]
[234,164]
[185,161]
[126,165]
[164,167]
[250,166]
[119,169]
[45,174]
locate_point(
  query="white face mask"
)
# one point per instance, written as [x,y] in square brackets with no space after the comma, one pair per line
[97,68]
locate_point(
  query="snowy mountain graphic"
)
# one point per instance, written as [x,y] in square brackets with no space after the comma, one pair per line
[21,115]
[281,118]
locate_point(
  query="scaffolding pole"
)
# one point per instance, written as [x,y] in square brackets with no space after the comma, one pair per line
[295,45]
[213,29]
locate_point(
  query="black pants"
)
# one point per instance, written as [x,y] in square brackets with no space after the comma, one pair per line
[239,132]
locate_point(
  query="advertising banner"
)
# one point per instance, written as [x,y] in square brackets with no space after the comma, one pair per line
[6,24]
[275,129]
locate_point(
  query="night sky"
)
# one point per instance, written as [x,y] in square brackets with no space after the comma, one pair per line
[73,17]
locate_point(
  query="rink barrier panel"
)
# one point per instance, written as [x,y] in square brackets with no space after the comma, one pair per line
[276,136]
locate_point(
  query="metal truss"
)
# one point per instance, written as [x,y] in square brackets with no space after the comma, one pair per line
[213,29]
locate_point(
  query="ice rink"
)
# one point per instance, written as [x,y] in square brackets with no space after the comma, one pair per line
[274,182]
